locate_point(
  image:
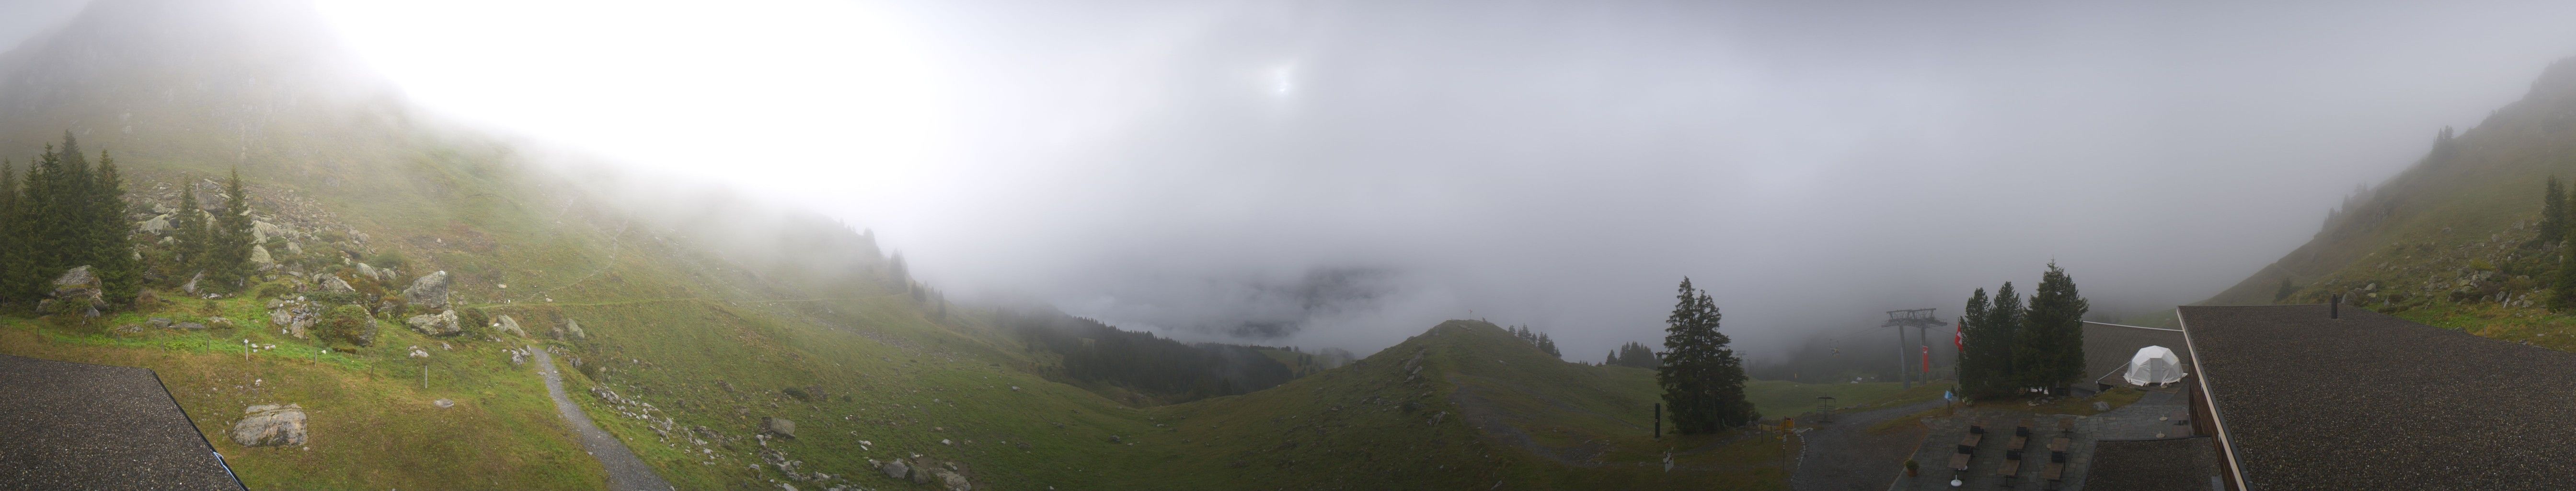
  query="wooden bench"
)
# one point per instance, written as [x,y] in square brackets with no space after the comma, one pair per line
[2011,468]
[1959,460]
[2060,444]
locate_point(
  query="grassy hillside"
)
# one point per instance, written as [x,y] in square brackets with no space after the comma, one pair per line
[2452,241]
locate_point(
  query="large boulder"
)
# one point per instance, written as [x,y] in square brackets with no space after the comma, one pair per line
[511,326]
[156,226]
[953,480]
[270,425]
[334,284]
[259,255]
[443,324]
[895,468]
[75,292]
[428,291]
[260,231]
[574,328]
[778,426]
[366,271]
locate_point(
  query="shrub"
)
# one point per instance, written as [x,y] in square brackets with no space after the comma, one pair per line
[348,324]
[389,259]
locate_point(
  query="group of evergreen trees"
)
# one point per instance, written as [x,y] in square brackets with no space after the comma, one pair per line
[2555,230]
[1633,354]
[64,213]
[2008,347]
[1703,380]
[1536,339]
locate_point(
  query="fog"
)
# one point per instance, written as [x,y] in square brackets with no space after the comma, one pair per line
[1332,174]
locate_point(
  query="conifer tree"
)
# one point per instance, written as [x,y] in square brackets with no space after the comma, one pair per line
[15,252]
[228,257]
[2553,210]
[2002,327]
[2562,290]
[2050,351]
[120,272]
[1703,380]
[188,234]
[1975,376]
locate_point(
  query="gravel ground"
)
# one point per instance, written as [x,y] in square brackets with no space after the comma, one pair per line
[625,472]
[1844,456]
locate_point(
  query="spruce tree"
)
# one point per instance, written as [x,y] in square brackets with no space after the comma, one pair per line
[2562,290]
[2553,210]
[120,272]
[188,234]
[14,251]
[1703,380]
[2002,327]
[1974,376]
[2050,352]
[228,258]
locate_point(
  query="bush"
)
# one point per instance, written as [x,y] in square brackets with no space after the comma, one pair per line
[272,290]
[389,259]
[348,324]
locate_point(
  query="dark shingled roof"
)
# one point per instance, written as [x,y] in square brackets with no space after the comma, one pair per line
[2107,348]
[2153,465]
[82,426]
[2371,401]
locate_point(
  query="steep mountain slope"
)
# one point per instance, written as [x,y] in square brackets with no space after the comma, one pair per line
[2453,240]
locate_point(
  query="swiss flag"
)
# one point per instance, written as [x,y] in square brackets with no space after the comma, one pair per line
[1959,335]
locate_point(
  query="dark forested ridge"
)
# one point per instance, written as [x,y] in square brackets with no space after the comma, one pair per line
[1096,355]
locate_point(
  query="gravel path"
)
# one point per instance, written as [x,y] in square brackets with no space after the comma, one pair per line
[1845,456]
[625,472]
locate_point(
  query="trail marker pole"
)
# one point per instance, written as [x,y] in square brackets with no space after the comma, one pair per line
[1659,420]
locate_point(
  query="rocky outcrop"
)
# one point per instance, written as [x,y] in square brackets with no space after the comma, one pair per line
[260,231]
[75,292]
[156,226]
[428,291]
[574,329]
[334,284]
[296,317]
[259,255]
[367,271]
[443,324]
[511,326]
[778,426]
[268,425]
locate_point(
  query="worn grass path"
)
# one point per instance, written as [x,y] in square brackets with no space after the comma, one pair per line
[625,472]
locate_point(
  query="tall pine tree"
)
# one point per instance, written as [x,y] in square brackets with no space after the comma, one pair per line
[2562,290]
[189,236]
[2050,352]
[120,271]
[2001,327]
[1703,379]
[17,255]
[228,257]
[2553,210]
[1974,375]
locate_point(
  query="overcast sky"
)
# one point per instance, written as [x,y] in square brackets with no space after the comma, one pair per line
[1346,174]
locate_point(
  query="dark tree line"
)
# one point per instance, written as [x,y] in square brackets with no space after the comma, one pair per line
[1536,339]
[1633,354]
[2555,231]
[61,214]
[1093,352]
[2009,347]
[1703,380]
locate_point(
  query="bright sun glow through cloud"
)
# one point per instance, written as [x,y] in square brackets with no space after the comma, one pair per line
[750,90]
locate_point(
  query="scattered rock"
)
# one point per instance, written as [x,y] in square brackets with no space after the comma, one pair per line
[270,425]
[509,325]
[191,287]
[367,271]
[954,481]
[190,326]
[2101,406]
[428,291]
[294,249]
[260,231]
[778,426]
[129,330]
[443,403]
[334,284]
[1113,439]
[443,324]
[259,255]
[575,329]
[158,322]
[896,469]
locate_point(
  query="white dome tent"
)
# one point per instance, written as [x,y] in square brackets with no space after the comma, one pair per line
[2153,365]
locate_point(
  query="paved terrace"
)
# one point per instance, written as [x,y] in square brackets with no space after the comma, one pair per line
[2371,401]
[81,426]
[2161,414]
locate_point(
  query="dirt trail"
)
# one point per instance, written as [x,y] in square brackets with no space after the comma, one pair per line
[625,472]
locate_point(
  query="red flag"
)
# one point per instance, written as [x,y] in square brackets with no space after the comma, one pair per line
[1927,359]
[1959,336]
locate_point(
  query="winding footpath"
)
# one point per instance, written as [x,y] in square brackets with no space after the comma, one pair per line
[625,472]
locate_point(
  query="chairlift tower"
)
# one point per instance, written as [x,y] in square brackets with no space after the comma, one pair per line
[1919,319]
